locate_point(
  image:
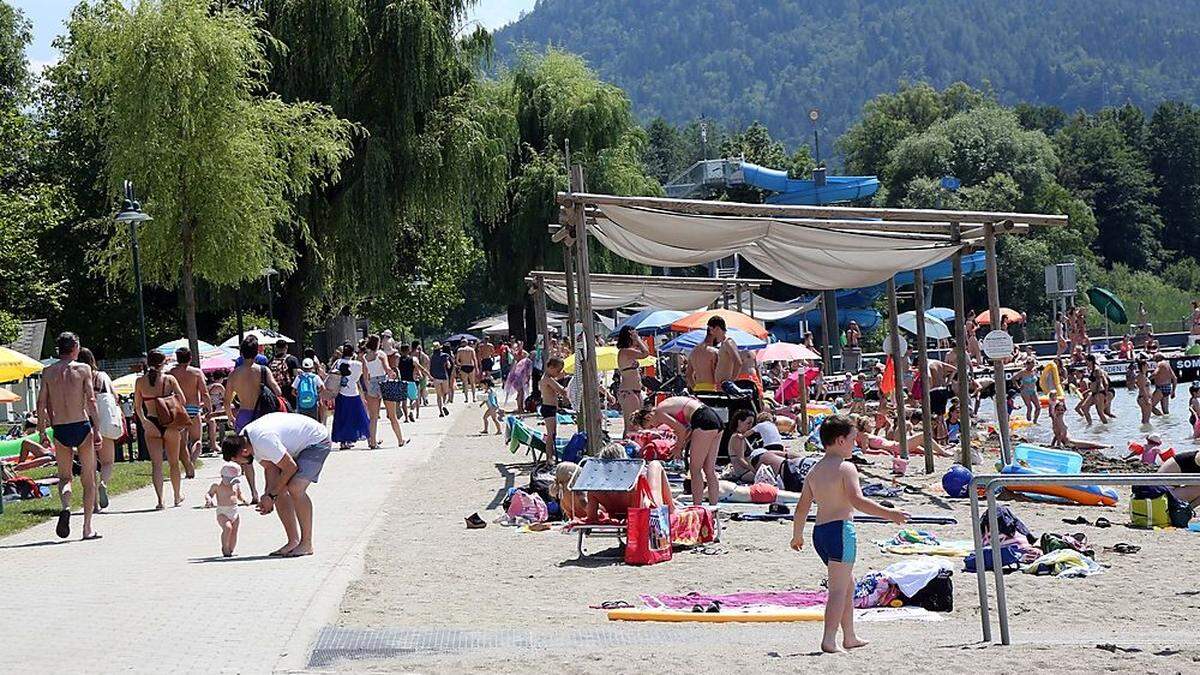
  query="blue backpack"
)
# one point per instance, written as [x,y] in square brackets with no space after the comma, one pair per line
[306,393]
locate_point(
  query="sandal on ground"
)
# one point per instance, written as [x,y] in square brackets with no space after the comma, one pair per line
[474,522]
[94,535]
[1077,520]
[1124,547]
[1103,522]
[612,604]
[63,529]
[102,495]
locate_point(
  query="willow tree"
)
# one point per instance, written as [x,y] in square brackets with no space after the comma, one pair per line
[429,157]
[175,90]
[556,99]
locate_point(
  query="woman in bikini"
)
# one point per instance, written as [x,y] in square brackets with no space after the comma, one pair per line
[630,350]
[616,505]
[1027,380]
[150,387]
[696,426]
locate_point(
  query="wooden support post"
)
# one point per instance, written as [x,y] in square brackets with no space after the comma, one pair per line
[900,364]
[590,389]
[569,278]
[923,367]
[738,298]
[540,319]
[833,346]
[960,355]
[993,289]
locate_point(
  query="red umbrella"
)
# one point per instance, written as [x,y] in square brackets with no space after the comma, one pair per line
[1013,316]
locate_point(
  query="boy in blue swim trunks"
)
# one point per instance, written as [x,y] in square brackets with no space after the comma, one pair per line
[833,484]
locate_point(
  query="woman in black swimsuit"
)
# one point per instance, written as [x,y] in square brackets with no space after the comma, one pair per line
[153,385]
[1183,462]
[630,349]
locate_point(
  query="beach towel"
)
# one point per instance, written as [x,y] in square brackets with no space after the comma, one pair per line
[742,599]
[1063,563]
[692,526]
[875,589]
[912,575]
[949,549]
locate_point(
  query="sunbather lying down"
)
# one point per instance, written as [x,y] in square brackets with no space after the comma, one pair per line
[616,505]
[759,493]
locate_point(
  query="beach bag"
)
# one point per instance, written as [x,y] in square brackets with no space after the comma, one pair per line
[575,448]
[1010,525]
[171,413]
[1149,513]
[268,402]
[393,390]
[528,506]
[1010,558]
[306,393]
[875,589]
[936,596]
[1179,512]
[108,414]
[333,384]
[649,535]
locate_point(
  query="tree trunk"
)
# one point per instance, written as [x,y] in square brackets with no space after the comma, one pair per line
[291,309]
[530,323]
[516,323]
[189,292]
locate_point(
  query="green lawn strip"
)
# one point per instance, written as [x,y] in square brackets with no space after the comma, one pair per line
[23,514]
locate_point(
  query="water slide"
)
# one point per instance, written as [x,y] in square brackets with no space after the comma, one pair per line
[706,177]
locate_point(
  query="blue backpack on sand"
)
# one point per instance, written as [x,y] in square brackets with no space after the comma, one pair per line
[306,393]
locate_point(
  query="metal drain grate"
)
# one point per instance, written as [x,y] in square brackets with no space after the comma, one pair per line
[336,643]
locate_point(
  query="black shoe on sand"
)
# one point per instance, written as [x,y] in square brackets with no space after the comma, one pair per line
[63,530]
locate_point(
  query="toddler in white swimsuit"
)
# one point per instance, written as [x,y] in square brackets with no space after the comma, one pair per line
[225,495]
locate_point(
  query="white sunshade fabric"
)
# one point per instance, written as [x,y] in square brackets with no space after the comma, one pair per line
[773,310]
[620,294]
[793,251]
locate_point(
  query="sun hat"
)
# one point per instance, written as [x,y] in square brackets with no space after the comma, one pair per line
[230,470]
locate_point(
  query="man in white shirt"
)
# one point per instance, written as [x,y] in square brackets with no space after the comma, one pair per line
[292,449]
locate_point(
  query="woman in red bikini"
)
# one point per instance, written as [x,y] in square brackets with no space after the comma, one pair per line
[693,423]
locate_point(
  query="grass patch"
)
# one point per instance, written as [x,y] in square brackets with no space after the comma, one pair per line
[24,514]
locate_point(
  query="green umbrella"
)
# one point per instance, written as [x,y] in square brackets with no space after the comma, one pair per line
[1107,304]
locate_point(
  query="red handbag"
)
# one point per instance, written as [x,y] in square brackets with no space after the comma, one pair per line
[649,536]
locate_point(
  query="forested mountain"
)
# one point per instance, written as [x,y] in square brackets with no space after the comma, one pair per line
[772,60]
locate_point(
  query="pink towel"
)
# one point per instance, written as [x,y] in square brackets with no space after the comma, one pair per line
[797,599]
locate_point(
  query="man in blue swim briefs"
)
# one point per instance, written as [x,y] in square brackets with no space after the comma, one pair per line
[67,404]
[833,484]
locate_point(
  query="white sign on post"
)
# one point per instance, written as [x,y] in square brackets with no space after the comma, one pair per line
[997,345]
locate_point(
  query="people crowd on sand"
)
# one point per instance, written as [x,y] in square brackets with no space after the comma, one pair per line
[276,410]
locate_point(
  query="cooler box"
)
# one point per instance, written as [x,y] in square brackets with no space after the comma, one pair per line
[1149,513]
[1057,461]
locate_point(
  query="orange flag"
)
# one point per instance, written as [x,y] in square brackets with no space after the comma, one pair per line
[889,378]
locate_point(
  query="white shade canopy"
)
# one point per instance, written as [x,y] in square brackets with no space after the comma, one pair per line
[774,310]
[614,295]
[800,252]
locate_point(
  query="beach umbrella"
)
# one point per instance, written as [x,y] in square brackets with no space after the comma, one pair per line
[1108,304]
[934,327]
[650,321]
[742,322]
[944,313]
[206,350]
[16,366]
[689,340]
[789,388]
[265,337]
[606,360]
[786,351]
[124,384]
[215,363]
[462,337]
[7,396]
[985,317]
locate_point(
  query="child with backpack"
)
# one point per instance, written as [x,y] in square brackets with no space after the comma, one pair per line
[308,386]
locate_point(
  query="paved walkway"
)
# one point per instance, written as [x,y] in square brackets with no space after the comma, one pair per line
[155,594]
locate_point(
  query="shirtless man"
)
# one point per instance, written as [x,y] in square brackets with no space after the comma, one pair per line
[702,366]
[195,395]
[486,353]
[1194,334]
[67,404]
[973,351]
[244,384]
[1164,379]
[728,361]
[467,361]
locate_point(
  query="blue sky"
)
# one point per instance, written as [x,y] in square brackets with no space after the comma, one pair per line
[48,17]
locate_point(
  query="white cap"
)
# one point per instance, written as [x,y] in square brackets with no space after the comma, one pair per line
[230,470]
[307,364]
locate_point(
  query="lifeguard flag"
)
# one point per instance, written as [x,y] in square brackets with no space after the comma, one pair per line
[889,378]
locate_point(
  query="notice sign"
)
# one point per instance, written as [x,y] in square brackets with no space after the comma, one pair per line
[997,344]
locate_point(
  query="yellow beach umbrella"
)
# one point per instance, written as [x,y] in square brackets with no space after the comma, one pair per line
[606,359]
[15,366]
[124,384]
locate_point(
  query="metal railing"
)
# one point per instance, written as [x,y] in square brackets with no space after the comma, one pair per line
[991,482]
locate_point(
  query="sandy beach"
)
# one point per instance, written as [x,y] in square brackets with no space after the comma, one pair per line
[497,599]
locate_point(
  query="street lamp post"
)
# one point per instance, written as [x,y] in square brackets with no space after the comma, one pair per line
[268,273]
[131,212]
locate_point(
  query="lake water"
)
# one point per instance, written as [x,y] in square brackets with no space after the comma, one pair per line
[1174,428]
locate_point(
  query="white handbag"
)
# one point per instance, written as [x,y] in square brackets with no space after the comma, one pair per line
[108,412]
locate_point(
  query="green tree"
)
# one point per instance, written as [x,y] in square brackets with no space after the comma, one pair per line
[1103,167]
[428,160]
[1174,154]
[174,88]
